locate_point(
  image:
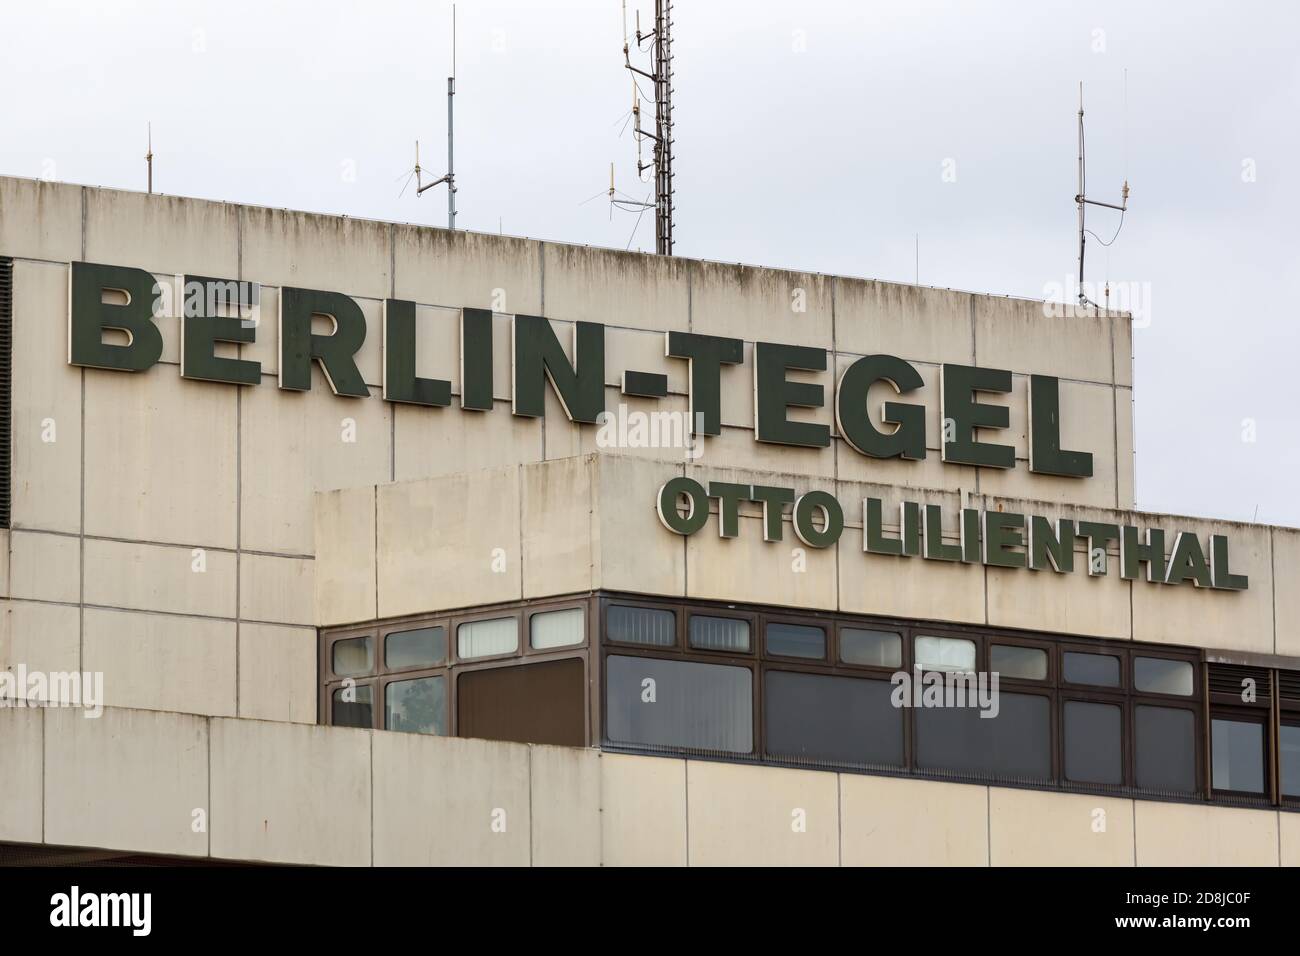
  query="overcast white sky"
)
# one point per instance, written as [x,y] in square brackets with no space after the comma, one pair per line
[810,135]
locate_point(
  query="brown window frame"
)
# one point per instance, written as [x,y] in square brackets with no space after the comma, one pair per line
[1203,705]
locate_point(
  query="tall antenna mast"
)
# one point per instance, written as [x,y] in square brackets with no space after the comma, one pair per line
[661,47]
[1081,200]
[450,177]
[148,158]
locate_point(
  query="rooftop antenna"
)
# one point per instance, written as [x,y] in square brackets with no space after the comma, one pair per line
[450,177]
[1081,200]
[148,158]
[658,42]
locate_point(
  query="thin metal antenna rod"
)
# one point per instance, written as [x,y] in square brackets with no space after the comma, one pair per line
[148,158]
[451,129]
[1081,200]
[450,177]
[1079,196]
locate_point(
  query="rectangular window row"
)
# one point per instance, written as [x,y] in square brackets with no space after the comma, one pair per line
[822,690]
[421,677]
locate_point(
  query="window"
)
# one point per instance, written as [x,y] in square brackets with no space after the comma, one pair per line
[562,628]
[1237,755]
[417,705]
[6,386]
[651,627]
[1012,660]
[945,654]
[498,635]
[354,657]
[544,702]
[1099,670]
[352,706]
[1094,750]
[719,633]
[1289,759]
[1166,748]
[672,703]
[796,640]
[1015,744]
[847,720]
[1156,675]
[871,648]
[682,676]
[422,647]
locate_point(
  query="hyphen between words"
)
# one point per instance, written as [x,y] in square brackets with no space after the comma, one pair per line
[215,312]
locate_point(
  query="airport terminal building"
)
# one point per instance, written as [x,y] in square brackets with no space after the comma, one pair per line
[331,541]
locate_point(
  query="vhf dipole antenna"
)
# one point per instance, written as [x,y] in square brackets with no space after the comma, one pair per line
[450,177]
[661,46]
[148,157]
[1081,200]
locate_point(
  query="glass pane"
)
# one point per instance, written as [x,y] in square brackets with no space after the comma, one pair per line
[719,633]
[1237,747]
[556,628]
[641,625]
[872,648]
[1100,670]
[354,657]
[351,706]
[1093,746]
[1027,663]
[796,640]
[1166,748]
[679,704]
[838,719]
[1014,744]
[945,654]
[421,648]
[1156,675]
[500,635]
[417,706]
[544,702]
[1290,756]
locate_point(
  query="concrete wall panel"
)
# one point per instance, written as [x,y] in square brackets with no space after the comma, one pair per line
[769,816]
[1032,828]
[127,780]
[442,801]
[888,821]
[643,811]
[162,661]
[288,793]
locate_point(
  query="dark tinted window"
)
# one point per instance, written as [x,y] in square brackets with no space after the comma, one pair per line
[1094,750]
[796,640]
[872,648]
[641,625]
[1290,760]
[1100,670]
[542,703]
[719,633]
[417,706]
[1237,755]
[839,719]
[679,704]
[1012,660]
[1166,748]
[424,647]
[1016,743]
[356,712]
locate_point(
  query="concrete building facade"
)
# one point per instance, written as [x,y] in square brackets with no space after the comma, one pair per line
[204,545]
